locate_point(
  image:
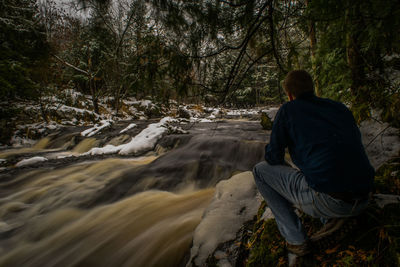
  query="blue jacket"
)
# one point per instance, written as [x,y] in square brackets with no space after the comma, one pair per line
[324,142]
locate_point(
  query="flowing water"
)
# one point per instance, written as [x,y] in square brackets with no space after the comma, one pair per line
[85,145]
[49,230]
[38,147]
[120,211]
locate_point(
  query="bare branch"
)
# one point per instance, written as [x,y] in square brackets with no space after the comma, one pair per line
[70,65]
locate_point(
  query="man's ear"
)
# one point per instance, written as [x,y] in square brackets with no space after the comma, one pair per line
[290,96]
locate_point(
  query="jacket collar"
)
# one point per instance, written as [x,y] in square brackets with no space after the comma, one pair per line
[306,95]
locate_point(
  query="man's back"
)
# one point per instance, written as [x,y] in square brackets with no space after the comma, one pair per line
[335,176]
[324,142]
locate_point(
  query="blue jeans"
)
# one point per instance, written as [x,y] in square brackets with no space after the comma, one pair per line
[285,189]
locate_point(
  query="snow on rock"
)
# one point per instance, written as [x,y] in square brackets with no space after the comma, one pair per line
[213,111]
[146,103]
[30,161]
[17,141]
[68,109]
[271,112]
[35,130]
[144,141]
[235,201]
[234,113]
[241,112]
[193,119]
[108,149]
[205,120]
[74,96]
[104,124]
[381,141]
[130,126]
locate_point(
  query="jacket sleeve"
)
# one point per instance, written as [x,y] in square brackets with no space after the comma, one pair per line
[275,150]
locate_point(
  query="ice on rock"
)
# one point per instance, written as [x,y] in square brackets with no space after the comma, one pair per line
[236,201]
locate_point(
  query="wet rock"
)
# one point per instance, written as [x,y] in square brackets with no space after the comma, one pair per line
[153,112]
[183,113]
[119,140]
[65,141]
[233,252]
[202,161]
[173,141]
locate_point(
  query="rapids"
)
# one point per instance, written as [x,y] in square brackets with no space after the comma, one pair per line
[120,211]
[142,230]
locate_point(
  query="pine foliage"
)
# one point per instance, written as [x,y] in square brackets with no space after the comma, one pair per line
[23,49]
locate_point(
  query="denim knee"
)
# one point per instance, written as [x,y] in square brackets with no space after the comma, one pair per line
[258,167]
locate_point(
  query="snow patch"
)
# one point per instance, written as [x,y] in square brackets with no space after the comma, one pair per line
[30,161]
[193,119]
[241,112]
[67,109]
[144,141]
[390,57]
[205,120]
[104,124]
[130,126]
[17,141]
[145,103]
[235,201]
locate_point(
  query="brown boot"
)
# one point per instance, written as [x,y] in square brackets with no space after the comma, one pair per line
[299,250]
[332,232]
[328,229]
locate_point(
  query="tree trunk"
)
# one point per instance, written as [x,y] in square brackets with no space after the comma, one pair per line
[95,100]
[313,47]
[354,57]
[96,105]
[43,112]
[116,102]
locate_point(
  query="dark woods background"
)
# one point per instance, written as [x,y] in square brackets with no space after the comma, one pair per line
[218,52]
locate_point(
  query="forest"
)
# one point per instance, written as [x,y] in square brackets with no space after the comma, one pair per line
[129,129]
[232,53]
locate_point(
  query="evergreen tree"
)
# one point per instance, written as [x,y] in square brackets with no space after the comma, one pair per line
[23,50]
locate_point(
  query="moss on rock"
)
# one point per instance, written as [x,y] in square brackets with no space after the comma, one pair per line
[266,122]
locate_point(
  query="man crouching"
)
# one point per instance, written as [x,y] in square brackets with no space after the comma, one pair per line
[324,142]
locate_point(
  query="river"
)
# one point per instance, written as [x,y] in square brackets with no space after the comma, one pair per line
[119,211]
